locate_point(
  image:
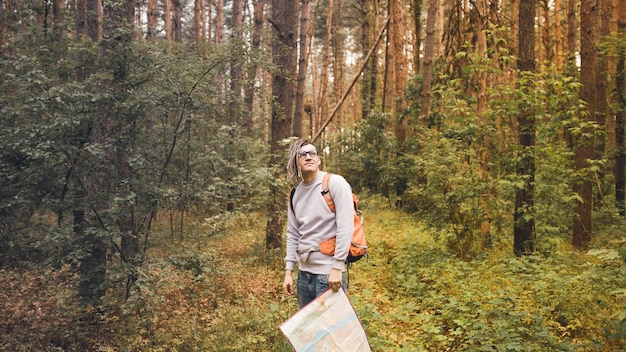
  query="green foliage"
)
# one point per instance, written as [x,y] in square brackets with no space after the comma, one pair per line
[414,296]
[139,141]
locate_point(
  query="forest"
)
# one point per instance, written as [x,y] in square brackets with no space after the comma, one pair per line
[143,146]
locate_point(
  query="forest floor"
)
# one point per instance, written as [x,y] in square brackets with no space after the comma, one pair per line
[413,295]
[218,289]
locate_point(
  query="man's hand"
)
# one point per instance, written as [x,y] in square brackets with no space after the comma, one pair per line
[335,279]
[288,283]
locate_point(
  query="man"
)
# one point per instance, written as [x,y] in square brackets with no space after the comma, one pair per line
[310,222]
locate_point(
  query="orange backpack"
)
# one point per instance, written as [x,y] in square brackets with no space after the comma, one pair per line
[358,245]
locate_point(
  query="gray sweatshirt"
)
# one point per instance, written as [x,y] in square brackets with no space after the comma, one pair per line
[313,222]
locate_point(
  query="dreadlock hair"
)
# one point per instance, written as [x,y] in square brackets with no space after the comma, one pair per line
[294,175]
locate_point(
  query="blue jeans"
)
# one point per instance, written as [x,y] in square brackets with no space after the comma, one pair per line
[313,285]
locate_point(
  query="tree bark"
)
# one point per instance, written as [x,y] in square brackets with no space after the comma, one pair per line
[305,9]
[324,95]
[93,19]
[429,50]
[151,20]
[177,26]
[197,21]
[257,29]
[584,146]
[81,19]
[524,223]
[283,19]
[167,19]
[92,268]
[2,26]
[416,7]
[338,59]
[399,64]
[558,40]
[620,94]
[572,30]
[368,83]
[219,22]
[236,72]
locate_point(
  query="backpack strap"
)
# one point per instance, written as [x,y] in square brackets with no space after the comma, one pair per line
[293,191]
[326,192]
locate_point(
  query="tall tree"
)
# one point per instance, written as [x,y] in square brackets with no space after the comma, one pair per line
[284,39]
[151,17]
[416,10]
[620,96]
[600,86]
[236,70]
[584,146]
[323,99]
[429,51]
[167,19]
[177,19]
[117,126]
[198,24]
[368,82]
[338,59]
[2,25]
[396,34]
[558,30]
[219,22]
[303,61]
[257,28]
[572,31]
[524,223]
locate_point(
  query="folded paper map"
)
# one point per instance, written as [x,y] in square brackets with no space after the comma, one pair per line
[327,324]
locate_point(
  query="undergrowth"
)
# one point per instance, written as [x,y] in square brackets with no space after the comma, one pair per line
[222,292]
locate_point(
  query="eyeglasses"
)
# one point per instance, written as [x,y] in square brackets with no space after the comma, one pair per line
[312,153]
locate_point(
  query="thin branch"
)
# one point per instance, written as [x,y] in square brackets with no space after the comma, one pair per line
[356,77]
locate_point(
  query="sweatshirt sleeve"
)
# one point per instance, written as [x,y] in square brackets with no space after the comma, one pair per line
[292,240]
[341,192]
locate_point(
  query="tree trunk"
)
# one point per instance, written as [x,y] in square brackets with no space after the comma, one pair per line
[620,150]
[305,9]
[93,19]
[558,40]
[429,49]
[120,15]
[584,146]
[177,26]
[167,19]
[151,19]
[324,95]
[209,20]
[81,19]
[219,22]
[514,35]
[524,223]
[3,24]
[197,21]
[252,66]
[338,60]
[58,15]
[399,64]
[416,7]
[236,72]
[572,30]
[92,268]
[482,25]
[368,82]
[283,19]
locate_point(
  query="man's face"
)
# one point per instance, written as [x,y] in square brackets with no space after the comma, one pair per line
[308,160]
